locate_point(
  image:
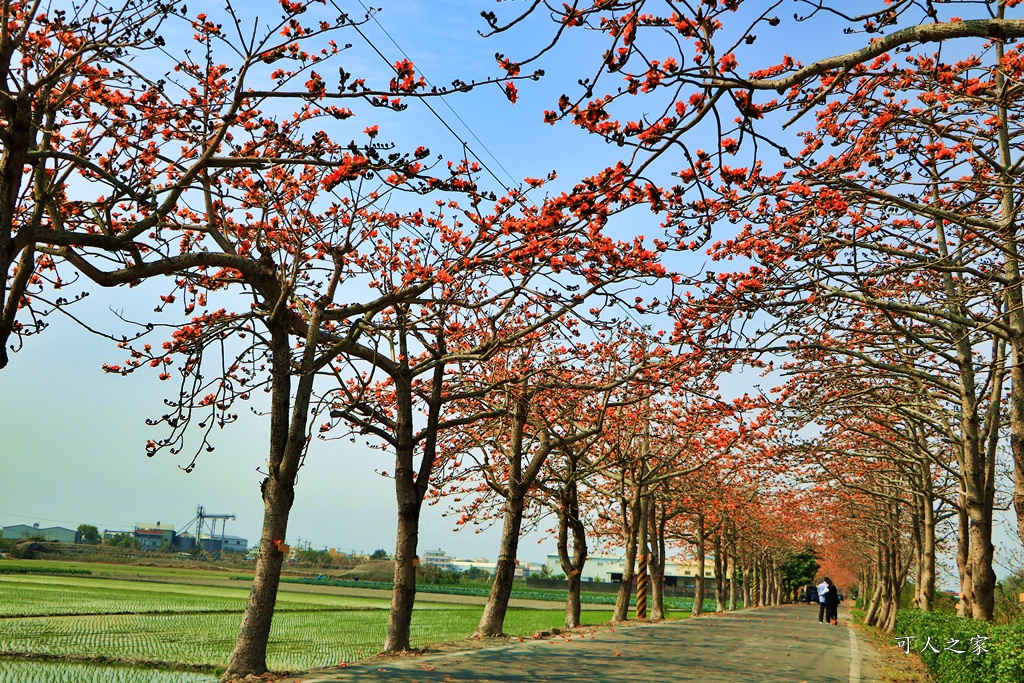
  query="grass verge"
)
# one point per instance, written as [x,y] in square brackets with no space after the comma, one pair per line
[896,666]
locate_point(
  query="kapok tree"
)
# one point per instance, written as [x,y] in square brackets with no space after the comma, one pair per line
[51,65]
[865,418]
[886,219]
[550,396]
[952,378]
[192,171]
[869,457]
[903,129]
[655,446]
[488,300]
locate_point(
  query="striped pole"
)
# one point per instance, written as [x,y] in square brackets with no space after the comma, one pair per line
[641,588]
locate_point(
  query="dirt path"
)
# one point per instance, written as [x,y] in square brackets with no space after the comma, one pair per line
[771,645]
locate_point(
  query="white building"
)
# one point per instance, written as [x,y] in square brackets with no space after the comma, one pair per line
[479,563]
[439,559]
[610,569]
[442,561]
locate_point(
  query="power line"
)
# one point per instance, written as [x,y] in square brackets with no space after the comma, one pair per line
[373,16]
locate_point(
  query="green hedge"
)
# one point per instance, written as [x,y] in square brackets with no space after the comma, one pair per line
[56,571]
[479,591]
[1002,663]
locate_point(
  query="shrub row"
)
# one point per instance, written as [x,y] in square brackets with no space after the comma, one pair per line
[56,571]
[1001,660]
[479,591]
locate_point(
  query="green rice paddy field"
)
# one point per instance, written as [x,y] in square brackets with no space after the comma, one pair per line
[159,627]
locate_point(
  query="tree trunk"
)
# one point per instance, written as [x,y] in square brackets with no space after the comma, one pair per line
[733,578]
[1010,211]
[403,593]
[926,589]
[720,562]
[410,487]
[757,576]
[698,592]
[17,114]
[657,563]
[1017,432]
[621,612]
[983,578]
[409,495]
[287,445]
[250,653]
[918,541]
[644,557]
[765,581]
[411,484]
[963,550]
[630,524]
[493,618]
[569,523]
[747,593]
[871,615]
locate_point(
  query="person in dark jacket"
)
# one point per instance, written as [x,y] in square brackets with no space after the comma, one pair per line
[832,604]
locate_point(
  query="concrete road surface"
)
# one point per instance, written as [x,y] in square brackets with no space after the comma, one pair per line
[769,645]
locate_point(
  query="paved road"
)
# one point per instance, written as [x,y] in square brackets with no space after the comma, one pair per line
[770,645]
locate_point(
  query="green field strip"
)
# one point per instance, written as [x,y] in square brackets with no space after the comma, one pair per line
[8,655]
[26,670]
[241,610]
[76,618]
[127,571]
[298,640]
[51,595]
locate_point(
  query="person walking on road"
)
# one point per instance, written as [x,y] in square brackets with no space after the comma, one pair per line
[822,590]
[831,604]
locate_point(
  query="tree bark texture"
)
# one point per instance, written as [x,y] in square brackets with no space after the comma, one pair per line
[288,420]
[570,524]
[747,579]
[656,565]
[493,619]
[698,592]
[17,112]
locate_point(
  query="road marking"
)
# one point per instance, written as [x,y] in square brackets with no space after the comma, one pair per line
[854,656]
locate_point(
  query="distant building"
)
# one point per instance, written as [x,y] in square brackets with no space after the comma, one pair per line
[523,569]
[529,569]
[110,533]
[610,569]
[235,544]
[148,536]
[479,563]
[184,541]
[439,559]
[50,533]
[224,544]
[154,536]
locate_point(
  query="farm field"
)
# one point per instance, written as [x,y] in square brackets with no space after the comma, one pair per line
[149,624]
[24,671]
[132,571]
[428,592]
